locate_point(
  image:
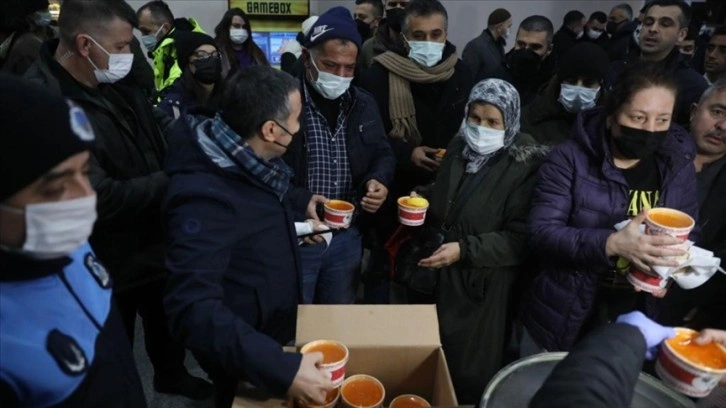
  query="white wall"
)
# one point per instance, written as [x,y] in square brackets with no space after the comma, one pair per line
[467,18]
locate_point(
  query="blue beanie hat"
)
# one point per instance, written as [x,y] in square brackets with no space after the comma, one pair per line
[334,23]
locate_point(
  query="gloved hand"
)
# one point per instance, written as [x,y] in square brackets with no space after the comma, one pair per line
[653,333]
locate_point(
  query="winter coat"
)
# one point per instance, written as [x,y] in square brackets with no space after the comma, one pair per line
[23,52]
[234,282]
[622,42]
[691,84]
[485,57]
[378,44]
[178,101]
[580,195]
[369,155]
[562,41]
[473,294]
[126,171]
[439,112]
[545,118]
[164,58]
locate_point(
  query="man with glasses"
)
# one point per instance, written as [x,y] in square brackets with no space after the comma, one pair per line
[125,171]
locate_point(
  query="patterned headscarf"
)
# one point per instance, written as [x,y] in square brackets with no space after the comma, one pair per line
[505,97]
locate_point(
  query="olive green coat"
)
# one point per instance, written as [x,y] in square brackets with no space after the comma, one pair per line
[473,294]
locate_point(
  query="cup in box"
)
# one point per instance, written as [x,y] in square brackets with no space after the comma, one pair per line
[331,400]
[362,391]
[690,368]
[409,401]
[335,357]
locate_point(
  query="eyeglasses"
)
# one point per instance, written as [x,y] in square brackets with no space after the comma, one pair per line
[203,55]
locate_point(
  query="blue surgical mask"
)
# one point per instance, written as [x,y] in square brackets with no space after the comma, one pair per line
[150,40]
[426,53]
[577,98]
[43,18]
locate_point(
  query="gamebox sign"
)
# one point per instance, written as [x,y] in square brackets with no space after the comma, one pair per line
[293,8]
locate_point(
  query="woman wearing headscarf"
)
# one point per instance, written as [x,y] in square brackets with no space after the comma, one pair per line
[486,177]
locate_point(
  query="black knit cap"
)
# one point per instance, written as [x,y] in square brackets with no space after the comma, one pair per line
[586,59]
[39,131]
[498,16]
[35,5]
[188,42]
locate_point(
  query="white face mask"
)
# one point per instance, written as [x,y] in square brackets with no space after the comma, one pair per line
[577,98]
[119,65]
[507,33]
[580,34]
[482,140]
[594,34]
[54,230]
[150,40]
[328,85]
[238,35]
[425,53]
[636,34]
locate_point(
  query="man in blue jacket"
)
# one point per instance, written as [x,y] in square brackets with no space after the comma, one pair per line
[62,342]
[342,153]
[232,250]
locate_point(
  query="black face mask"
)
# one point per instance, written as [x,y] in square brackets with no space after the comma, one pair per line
[523,63]
[638,143]
[364,29]
[394,17]
[208,70]
[611,27]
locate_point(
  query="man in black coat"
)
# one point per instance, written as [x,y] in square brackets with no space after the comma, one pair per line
[620,27]
[126,170]
[595,30]
[572,30]
[665,24]
[485,54]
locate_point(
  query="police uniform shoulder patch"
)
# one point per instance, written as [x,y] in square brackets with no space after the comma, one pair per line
[67,353]
[99,273]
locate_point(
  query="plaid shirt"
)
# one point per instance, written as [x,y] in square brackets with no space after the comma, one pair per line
[328,166]
[274,173]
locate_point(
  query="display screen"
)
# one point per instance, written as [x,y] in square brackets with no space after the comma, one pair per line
[272,43]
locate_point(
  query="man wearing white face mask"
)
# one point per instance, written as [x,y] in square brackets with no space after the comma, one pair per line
[572,30]
[576,86]
[485,53]
[62,342]
[341,153]
[126,170]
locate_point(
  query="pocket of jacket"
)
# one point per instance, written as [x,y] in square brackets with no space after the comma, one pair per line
[367,132]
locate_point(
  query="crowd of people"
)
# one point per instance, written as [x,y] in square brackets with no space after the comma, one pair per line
[177,190]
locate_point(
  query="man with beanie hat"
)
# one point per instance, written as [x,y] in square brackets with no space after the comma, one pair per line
[386,35]
[61,339]
[485,54]
[201,81]
[342,153]
[576,86]
[86,65]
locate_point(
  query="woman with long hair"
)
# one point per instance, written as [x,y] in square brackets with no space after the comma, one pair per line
[234,39]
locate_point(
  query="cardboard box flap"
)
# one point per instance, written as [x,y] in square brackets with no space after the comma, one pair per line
[369,325]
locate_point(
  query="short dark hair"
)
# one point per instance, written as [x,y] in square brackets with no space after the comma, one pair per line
[160,12]
[540,24]
[719,30]
[424,8]
[376,5]
[626,8]
[599,16]
[91,15]
[573,16]
[242,108]
[683,20]
[635,78]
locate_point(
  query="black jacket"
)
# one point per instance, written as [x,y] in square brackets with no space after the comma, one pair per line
[545,118]
[563,40]
[234,282]
[622,42]
[126,171]
[485,57]
[439,112]
[601,371]
[691,84]
[369,155]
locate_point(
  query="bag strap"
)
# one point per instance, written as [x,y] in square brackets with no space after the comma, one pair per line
[465,192]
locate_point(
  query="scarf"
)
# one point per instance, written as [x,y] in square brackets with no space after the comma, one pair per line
[273,173]
[403,71]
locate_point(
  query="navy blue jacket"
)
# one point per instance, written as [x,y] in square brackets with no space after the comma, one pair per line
[234,281]
[369,154]
[62,342]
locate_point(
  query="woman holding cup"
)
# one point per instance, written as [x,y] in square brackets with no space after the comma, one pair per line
[620,161]
[479,203]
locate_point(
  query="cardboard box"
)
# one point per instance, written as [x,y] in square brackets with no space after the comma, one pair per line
[398,344]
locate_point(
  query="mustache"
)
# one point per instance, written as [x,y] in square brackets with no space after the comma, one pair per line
[717,133]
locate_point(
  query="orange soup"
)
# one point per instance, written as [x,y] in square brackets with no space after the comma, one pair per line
[441,153]
[670,219]
[709,355]
[330,397]
[340,205]
[332,353]
[409,402]
[362,392]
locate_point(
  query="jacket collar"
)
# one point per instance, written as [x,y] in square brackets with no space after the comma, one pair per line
[14,267]
[69,86]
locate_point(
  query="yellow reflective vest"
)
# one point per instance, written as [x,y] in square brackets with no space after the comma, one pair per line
[166,68]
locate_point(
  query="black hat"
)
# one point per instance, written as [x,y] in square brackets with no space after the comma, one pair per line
[32,6]
[188,42]
[585,59]
[40,130]
[334,23]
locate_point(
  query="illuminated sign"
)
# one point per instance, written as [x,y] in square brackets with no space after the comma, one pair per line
[273,7]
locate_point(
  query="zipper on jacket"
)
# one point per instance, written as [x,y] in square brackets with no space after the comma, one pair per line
[68,286]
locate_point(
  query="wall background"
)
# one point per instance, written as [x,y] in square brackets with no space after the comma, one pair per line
[467,18]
